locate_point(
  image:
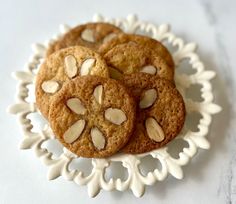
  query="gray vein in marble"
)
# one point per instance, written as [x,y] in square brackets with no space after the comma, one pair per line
[224,59]
[212,19]
[222,52]
[227,181]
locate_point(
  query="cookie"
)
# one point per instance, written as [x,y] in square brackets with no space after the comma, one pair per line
[154,46]
[64,65]
[130,58]
[160,112]
[93,116]
[90,35]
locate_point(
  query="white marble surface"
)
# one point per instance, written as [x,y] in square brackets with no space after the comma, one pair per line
[209,178]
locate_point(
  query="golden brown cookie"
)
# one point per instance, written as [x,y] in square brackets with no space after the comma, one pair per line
[64,65]
[154,45]
[90,35]
[160,112]
[130,58]
[93,116]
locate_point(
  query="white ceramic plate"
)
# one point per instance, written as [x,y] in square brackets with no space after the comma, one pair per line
[122,171]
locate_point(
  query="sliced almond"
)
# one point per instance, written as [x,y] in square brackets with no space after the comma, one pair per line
[87,35]
[87,66]
[149,69]
[149,97]
[97,93]
[50,86]
[70,66]
[74,131]
[115,115]
[76,106]
[97,138]
[154,130]
[109,37]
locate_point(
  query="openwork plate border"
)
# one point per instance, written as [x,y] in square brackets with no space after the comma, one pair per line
[135,181]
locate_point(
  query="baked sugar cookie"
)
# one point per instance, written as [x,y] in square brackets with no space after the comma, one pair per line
[90,35]
[62,66]
[93,116]
[131,57]
[154,46]
[160,112]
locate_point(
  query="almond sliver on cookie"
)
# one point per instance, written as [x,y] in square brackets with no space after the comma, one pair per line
[149,69]
[148,98]
[87,66]
[74,131]
[97,93]
[70,66]
[97,138]
[50,86]
[154,130]
[115,116]
[87,35]
[76,106]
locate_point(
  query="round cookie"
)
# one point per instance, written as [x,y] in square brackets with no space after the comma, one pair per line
[93,116]
[154,46]
[90,35]
[64,65]
[160,112]
[130,58]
